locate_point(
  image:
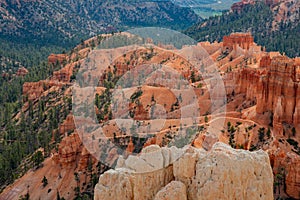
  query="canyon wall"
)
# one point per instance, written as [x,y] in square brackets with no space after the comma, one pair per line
[221,173]
[286,167]
[275,87]
[279,92]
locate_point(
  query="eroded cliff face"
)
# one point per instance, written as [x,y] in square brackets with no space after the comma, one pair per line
[275,88]
[243,40]
[279,93]
[272,89]
[270,84]
[221,173]
[72,152]
[286,167]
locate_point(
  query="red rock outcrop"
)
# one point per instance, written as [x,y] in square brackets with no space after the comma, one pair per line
[279,93]
[275,86]
[139,112]
[65,73]
[247,81]
[62,75]
[238,7]
[71,151]
[68,149]
[22,71]
[80,53]
[54,58]
[130,146]
[286,167]
[33,90]
[265,61]
[85,159]
[68,125]
[234,40]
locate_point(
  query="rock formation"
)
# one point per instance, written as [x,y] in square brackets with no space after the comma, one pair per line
[270,83]
[279,93]
[238,7]
[265,61]
[34,90]
[22,71]
[286,167]
[173,191]
[247,81]
[130,146]
[70,151]
[68,125]
[234,40]
[274,86]
[57,58]
[63,74]
[85,159]
[222,173]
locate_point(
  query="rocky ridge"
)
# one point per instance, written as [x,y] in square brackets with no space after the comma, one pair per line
[221,173]
[274,87]
[267,84]
[249,74]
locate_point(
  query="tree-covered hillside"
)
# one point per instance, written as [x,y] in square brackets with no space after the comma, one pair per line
[206,8]
[30,30]
[256,19]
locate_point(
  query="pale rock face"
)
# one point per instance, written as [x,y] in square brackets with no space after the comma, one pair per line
[150,159]
[114,185]
[124,184]
[173,191]
[146,185]
[166,156]
[120,162]
[225,173]
[221,173]
[209,140]
[185,166]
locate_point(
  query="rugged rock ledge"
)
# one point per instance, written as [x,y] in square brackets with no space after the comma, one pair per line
[221,173]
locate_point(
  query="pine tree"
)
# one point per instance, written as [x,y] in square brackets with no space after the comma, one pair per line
[45,181]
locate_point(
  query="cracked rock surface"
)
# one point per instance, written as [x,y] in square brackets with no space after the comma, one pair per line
[189,173]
